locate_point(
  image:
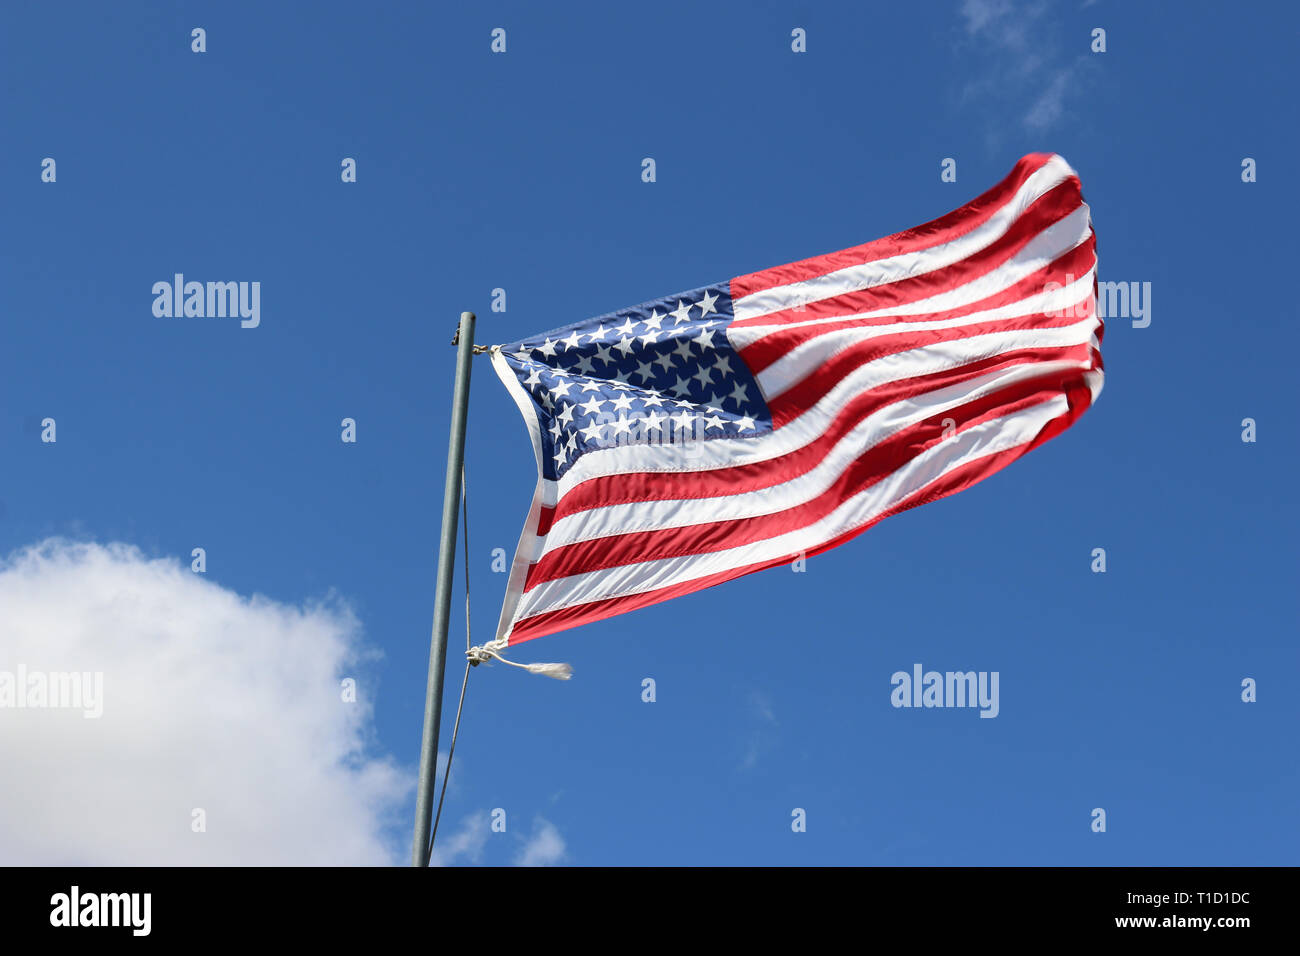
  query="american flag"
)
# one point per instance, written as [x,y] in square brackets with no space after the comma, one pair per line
[699,437]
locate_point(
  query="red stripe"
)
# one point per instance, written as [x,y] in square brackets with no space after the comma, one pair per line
[957,480]
[872,466]
[944,229]
[759,354]
[1046,214]
[804,394]
[737,479]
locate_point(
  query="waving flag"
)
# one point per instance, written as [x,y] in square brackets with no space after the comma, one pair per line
[699,437]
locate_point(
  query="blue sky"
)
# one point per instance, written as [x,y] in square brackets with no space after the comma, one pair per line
[521,171]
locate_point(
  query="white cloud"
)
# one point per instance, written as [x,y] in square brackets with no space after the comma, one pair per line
[465,845]
[545,847]
[211,701]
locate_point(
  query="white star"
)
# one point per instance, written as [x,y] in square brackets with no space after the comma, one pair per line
[653,420]
[593,431]
[665,360]
[534,377]
[705,375]
[566,416]
[745,422]
[683,349]
[584,366]
[650,338]
[645,371]
[739,394]
[654,399]
[682,312]
[723,365]
[547,348]
[682,386]
[523,354]
[705,339]
[556,430]
[624,345]
[622,403]
[571,342]
[621,426]
[625,329]
[572,443]
[592,407]
[683,419]
[598,335]
[706,304]
[713,421]
[602,354]
[561,388]
[558,455]
[655,319]
[591,386]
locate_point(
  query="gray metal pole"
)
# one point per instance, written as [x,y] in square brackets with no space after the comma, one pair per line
[442,599]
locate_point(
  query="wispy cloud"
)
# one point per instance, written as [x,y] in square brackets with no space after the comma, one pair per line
[1047,109]
[544,847]
[761,738]
[465,844]
[1021,67]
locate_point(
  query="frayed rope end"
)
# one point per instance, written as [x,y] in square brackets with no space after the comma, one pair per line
[558,671]
[481,655]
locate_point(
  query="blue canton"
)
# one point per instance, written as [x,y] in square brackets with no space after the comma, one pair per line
[662,373]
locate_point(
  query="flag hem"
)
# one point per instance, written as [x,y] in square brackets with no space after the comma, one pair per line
[523,556]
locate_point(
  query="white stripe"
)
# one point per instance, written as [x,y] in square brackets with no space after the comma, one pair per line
[747,335]
[988,438]
[1096,377]
[611,520]
[717,453]
[809,356]
[1060,238]
[529,547]
[906,265]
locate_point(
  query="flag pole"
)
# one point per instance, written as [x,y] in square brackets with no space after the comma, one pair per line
[442,598]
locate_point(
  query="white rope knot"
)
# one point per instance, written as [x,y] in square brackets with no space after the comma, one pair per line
[475,349]
[485,653]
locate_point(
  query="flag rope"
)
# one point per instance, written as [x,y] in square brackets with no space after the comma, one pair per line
[484,653]
[455,730]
